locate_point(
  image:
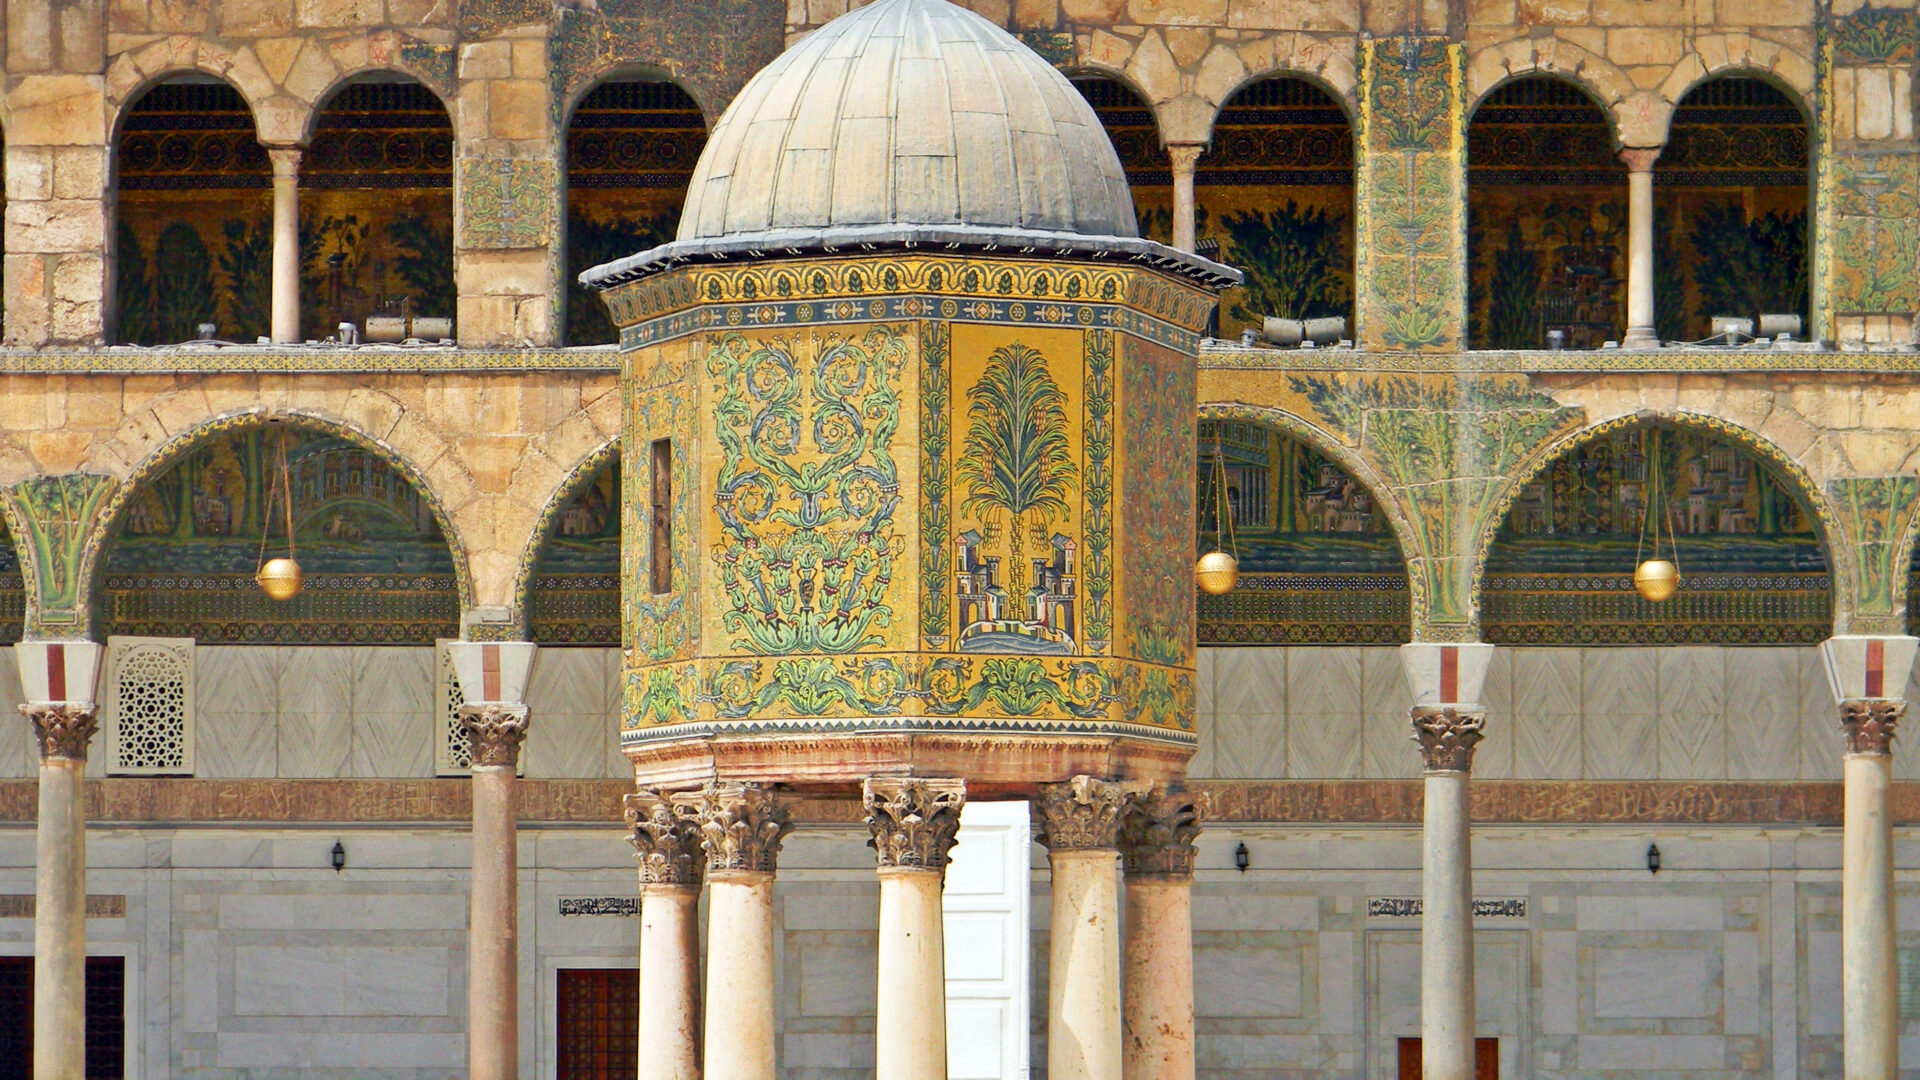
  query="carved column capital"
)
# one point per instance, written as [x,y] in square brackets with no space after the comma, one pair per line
[914,821]
[1640,159]
[665,838]
[63,728]
[494,732]
[1870,724]
[1157,832]
[741,826]
[1084,812]
[1184,157]
[285,161]
[1447,735]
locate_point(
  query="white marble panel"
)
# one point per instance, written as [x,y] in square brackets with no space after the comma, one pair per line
[1200,765]
[1249,747]
[1493,758]
[568,732]
[1693,710]
[1241,982]
[1740,968]
[1339,1001]
[340,980]
[1618,704]
[1247,911]
[236,723]
[1324,706]
[1546,714]
[234,745]
[1250,681]
[315,714]
[1653,1053]
[1385,750]
[1323,746]
[1822,743]
[1650,984]
[18,754]
[1823,983]
[1257,1055]
[617,764]
[1203,680]
[394,721]
[365,1051]
[1649,914]
[1763,713]
[386,912]
[835,980]
[1559,983]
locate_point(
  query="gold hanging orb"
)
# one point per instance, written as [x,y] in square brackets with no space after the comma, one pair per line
[1656,580]
[279,578]
[1217,572]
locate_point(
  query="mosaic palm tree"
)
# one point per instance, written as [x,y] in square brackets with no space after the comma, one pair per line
[1018,467]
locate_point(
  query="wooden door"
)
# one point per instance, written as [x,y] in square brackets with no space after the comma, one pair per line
[1486,1059]
[598,1025]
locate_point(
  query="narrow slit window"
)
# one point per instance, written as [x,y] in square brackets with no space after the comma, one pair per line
[660,535]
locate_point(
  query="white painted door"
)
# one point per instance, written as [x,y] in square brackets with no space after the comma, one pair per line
[988,886]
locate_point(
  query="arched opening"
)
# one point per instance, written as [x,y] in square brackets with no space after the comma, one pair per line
[376,208]
[1753,570]
[631,148]
[1319,563]
[1276,191]
[1547,219]
[1730,208]
[574,595]
[194,240]
[1128,120]
[378,569]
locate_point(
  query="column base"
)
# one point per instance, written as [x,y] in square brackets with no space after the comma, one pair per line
[1640,337]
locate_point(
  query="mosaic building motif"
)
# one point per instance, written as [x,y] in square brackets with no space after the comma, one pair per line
[1752,569]
[1318,562]
[574,595]
[377,568]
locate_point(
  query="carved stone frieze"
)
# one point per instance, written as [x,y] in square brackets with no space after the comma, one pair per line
[1084,812]
[914,821]
[494,732]
[63,729]
[1870,724]
[741,826]
[1157,831]
[1447,736]
[665,838]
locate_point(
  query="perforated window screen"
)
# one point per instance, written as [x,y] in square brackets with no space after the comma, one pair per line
[450,756]
[149,706]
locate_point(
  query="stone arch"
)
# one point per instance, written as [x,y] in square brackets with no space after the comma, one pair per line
[121,100]
[153,452]
[582,473]
[1829,533]
[584,83]
[1342,95]
[391,65]
[1716,56]
[1598,77]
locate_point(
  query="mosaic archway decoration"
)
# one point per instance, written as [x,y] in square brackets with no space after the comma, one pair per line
[378,568]
[573,592]
[1318,560]
[1754,570]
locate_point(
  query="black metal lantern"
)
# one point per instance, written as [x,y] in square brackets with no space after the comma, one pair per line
[339,856]
[1653,858]
[1241,858]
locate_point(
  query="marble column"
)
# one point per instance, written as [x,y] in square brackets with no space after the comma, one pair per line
[1869,986]
[494,733]
[915,823]
[286,243]
[1640,317]
[1185,160]
[1156,848]
[62,730]
[1080,826]
[741,827]
[1446,735]
[666,838]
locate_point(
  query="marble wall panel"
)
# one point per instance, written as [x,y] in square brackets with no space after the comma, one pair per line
[316,706]
[1822,744]
[1385,749]
[1618,702]
[1324,709]
[18,755]
[394,721]
[1494,758]
[1692,702]
[236,710]
[1763,713]
[1546,708]
[568,731]
[616,764]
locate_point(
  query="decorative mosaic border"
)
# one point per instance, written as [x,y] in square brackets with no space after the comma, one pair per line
[1218,355]
[129,360]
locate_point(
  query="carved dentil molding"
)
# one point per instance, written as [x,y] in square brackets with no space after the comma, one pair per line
[63,729]
[665,838]
[1083,813]
[1157,832]
[1870,724]
[741,826]
[914,821]
[1447,736]
[494,732]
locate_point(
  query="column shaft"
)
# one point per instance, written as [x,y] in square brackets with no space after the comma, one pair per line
[493,964]
[1083,957]
[1158,1025]
[666,840]
[739,1027]
[1640,315]
[60,923]
[1869,990]
[910,1021]
[1185,160]
[286,243]
[1446,932]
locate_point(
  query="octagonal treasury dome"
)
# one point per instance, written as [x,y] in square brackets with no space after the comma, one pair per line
[907,122]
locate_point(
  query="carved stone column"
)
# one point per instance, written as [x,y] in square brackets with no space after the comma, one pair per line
[1447,735]
[1640,315]
[1869,986]
[915,823]
[1185,161]
[62,730]
[1156,847]
[741,827]
[1080,825]
[494,733]
[666,838]
[286,242]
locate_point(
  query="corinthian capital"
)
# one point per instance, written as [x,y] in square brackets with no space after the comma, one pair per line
[914,821]
[665,838]
[1084,812]
[1870,724]
[1447,736]
[63,729]
[494,732]
[1157,831]
[741,826]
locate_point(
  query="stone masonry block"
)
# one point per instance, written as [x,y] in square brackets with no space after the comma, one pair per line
[57,110]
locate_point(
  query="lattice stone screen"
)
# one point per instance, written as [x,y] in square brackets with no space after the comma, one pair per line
[149,706]
[450,757]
